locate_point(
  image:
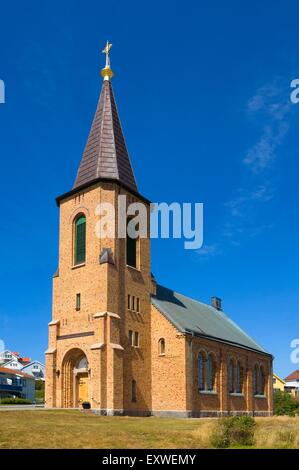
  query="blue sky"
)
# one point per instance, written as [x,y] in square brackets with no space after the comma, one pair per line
[203,94]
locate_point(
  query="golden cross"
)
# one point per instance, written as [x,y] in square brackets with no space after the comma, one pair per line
[106,51]
[106,72]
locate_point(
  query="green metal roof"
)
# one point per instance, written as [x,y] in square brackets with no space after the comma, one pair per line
[191,316]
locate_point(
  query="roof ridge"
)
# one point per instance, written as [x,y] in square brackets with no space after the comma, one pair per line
[32,362]
[191,298]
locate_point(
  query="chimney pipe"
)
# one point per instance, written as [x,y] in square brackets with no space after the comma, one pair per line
[216,303]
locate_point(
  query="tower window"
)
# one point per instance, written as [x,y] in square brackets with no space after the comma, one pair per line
[136,339]
[131,337]
[161,347]
[133,303]
[78,302]
[131,249]
[80,240]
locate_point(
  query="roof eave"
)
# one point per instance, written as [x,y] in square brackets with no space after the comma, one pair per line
[78,189]
[231,343]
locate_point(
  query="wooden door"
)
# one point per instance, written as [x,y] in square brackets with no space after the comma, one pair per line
[82,388]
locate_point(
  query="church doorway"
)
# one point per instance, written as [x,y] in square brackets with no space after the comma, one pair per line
[75,379]
[82,388]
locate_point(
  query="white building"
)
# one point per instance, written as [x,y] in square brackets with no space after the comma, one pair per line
[7,356]
[292,383]
[14,364]
[13,361]
[35,368]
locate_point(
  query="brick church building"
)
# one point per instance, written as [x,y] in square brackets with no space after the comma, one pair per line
[117,339]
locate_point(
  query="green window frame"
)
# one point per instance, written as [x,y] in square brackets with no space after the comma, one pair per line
[80,240]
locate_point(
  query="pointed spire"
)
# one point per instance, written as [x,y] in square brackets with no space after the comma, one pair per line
[106,154]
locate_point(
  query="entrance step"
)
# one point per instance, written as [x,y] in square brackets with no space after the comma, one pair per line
[87,412]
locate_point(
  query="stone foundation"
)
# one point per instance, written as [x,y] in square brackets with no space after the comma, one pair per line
[180,414]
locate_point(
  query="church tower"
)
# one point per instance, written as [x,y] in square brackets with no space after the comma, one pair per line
[100,333]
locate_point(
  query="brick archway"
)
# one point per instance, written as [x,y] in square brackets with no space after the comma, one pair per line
[73,358]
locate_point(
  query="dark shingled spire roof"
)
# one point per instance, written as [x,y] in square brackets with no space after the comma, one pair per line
[105,154]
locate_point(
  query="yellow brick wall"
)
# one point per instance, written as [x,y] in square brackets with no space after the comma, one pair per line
[175,375]
[169,371]
[222,401]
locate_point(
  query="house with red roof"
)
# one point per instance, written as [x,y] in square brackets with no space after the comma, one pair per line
[292,383]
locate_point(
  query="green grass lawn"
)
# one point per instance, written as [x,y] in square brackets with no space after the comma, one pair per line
[74,429]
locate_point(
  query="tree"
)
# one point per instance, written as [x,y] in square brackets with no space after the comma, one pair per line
[285,404]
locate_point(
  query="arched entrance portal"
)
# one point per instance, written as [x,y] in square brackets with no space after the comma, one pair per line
[75,379]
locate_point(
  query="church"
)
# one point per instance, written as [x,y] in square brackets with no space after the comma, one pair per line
[121,343]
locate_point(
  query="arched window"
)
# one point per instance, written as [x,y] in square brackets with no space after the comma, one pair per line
[261,381]
[241,387]
[231,378]
[210,373]
[161,346]
[82,363]
[80,240]
[256,380]
[200,371]
[134,391]
[239,378]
